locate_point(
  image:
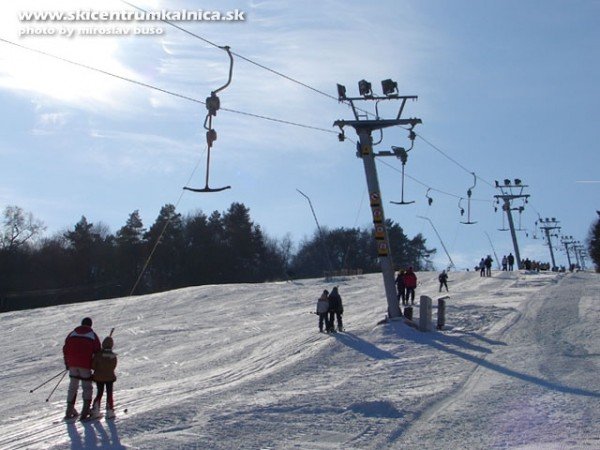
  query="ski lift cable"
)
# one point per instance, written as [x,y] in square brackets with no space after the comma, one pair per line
[435,147]
[165,91]
[257,64]
[429,187]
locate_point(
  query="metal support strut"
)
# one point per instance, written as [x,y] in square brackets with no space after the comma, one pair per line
[213,104]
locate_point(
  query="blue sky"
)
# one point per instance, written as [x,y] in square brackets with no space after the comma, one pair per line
[507,89]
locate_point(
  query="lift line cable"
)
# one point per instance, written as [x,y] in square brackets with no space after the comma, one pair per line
[257,64]
[257,116]
[470,172]
[429,187]
[165,91]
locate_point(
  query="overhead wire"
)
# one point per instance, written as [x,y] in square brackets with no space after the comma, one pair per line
[435,147]
[159,89]
[254,115]
[251,61]
[427,186]
[296,81]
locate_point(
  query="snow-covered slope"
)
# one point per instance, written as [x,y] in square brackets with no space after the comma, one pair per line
[244,366]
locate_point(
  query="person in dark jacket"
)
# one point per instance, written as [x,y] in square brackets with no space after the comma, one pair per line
[488,266]
[335,309]
[80,346]
[401,288]
[511,262]
[410,282]
[104,364]
[443,279]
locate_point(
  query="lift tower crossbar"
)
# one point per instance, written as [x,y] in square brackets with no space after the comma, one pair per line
[364,128]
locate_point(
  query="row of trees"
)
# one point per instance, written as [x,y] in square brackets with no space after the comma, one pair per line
[88,262]
[594,242]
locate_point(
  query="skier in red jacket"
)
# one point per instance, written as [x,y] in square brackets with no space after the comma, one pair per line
[410,283]
[80,346]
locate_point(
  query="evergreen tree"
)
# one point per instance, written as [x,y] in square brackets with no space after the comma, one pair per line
[197,257]
[165,270]
[131,252]
[80,243]
[243,244]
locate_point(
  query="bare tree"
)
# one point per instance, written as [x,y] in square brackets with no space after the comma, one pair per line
[19,228]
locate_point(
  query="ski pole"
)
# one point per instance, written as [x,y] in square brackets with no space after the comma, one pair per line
[48,381]
[55,387]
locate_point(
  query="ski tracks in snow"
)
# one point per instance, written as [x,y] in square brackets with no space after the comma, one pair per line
[540,389]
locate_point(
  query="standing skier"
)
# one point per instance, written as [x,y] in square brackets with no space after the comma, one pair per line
[104,363]
[504,263]
[322,309]
[488,266]
[410,282]
[482,267]
[80,346]
[511,262]
[335,308]
[443,279]
[400,286]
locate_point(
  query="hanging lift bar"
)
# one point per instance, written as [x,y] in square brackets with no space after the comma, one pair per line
[402,154]
[429,199]
[213,104]
[469,193]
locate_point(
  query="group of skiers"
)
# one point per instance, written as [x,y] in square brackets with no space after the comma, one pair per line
[508,262]
[485,266]
[406,283]
[87,360]
[330,308]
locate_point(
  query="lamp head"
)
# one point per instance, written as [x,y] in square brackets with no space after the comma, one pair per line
[364,88]
[389,87]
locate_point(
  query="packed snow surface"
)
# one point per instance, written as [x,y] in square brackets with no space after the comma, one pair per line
[244,367]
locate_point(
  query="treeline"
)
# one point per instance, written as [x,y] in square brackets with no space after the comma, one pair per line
[89,262]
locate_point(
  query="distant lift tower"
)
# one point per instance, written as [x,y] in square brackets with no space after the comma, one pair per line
[364,128]
[549,225]
[566,241]
[512,191]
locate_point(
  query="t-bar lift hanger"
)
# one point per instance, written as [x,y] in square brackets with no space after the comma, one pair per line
[469,193]
[212,105]
[402,154]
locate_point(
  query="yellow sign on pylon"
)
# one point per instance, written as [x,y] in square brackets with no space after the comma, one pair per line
[382,248]
[375,199]
[366,149]
[379,231]
[377,215]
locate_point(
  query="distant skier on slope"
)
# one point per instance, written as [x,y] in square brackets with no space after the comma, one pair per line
[488,266]
[511,262]
[80,346]
[104,363]
[443,279]
[482,267]
[322,309]
[335,309]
